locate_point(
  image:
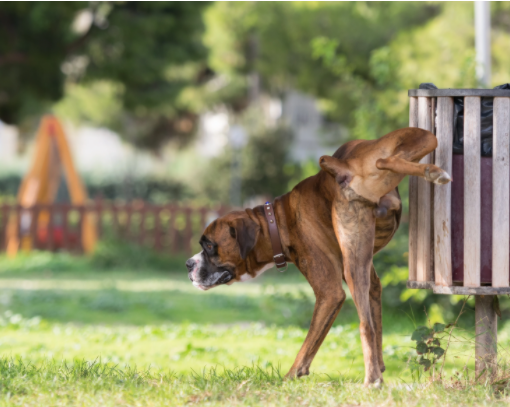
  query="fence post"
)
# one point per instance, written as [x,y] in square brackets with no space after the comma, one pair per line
[173,230]
[81,211]
[157,228]
[115,221]
[3,227]
[188,233]
[99,217]
[65,226]
[203,213]
[49,238]
[141,230]
[34,226]
[129,213]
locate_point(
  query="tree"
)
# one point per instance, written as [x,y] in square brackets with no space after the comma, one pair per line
[148,48]
[323,49]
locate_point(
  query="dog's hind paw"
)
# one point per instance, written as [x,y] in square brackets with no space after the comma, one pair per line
[375,384]
[437,175]
[443,179]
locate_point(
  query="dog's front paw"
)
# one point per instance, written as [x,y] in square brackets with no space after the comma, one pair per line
[292,374]
[296,373]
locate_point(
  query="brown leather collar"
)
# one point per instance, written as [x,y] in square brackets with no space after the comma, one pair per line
[274,235]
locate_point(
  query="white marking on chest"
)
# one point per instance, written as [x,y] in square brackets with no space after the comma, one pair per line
[247,277]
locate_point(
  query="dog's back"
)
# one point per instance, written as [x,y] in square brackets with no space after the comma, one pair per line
[314,198]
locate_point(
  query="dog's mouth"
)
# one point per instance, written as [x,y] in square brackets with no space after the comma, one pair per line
[218,278]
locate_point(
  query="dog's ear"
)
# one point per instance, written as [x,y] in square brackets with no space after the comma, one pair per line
[246,232]
[337,168]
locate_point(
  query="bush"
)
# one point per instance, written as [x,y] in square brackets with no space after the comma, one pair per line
[114,254]
[109,255]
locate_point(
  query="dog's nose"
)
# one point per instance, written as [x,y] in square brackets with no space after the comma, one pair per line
[190,264]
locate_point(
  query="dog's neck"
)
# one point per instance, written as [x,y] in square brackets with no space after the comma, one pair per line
[262,253]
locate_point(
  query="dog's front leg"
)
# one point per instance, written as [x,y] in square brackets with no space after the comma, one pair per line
[354,224]
[326,281]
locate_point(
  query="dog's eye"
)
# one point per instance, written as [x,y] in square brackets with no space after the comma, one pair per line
[209,246]
[232,232]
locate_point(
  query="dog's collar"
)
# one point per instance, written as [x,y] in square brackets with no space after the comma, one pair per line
[274,236]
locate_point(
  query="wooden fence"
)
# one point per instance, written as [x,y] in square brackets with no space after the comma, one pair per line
[168,228]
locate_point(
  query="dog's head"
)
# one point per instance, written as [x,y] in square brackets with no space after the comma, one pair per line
[226,244]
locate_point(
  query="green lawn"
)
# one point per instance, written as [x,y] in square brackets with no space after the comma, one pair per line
[148,338]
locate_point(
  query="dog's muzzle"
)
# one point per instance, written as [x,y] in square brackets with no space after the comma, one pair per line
[190,265]
[205,276]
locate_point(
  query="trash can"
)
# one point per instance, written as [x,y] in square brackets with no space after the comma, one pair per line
[459,239]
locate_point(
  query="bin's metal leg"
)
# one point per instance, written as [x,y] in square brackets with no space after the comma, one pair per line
[486,325]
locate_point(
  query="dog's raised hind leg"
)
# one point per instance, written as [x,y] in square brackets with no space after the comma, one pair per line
[399,165]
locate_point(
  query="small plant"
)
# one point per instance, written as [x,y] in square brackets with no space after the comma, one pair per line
[428,345]
[432,344]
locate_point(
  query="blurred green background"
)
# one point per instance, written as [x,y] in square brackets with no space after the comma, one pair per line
[147,93]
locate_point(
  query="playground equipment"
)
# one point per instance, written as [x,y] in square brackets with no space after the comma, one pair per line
[459,233]
[52,165]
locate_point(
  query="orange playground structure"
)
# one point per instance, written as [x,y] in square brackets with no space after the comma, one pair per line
[51,166]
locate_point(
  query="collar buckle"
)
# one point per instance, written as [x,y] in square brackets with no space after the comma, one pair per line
[281,264]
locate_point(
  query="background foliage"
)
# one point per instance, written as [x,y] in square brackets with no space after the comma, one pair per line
[124,43]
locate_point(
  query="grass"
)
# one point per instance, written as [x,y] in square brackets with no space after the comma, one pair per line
[93,383]
[75,333]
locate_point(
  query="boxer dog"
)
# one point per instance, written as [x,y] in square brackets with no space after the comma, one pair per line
[330,226]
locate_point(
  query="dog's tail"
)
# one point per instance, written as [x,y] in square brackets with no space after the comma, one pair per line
[338,169]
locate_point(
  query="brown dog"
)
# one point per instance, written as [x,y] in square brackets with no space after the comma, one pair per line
[330,226]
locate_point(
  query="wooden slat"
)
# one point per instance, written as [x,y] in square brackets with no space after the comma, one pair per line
[423,263]
[432,158]
[413,200]
[472,201]
[443,194]
[501,193]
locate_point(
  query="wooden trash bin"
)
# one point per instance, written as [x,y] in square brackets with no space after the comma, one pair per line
[459,233]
